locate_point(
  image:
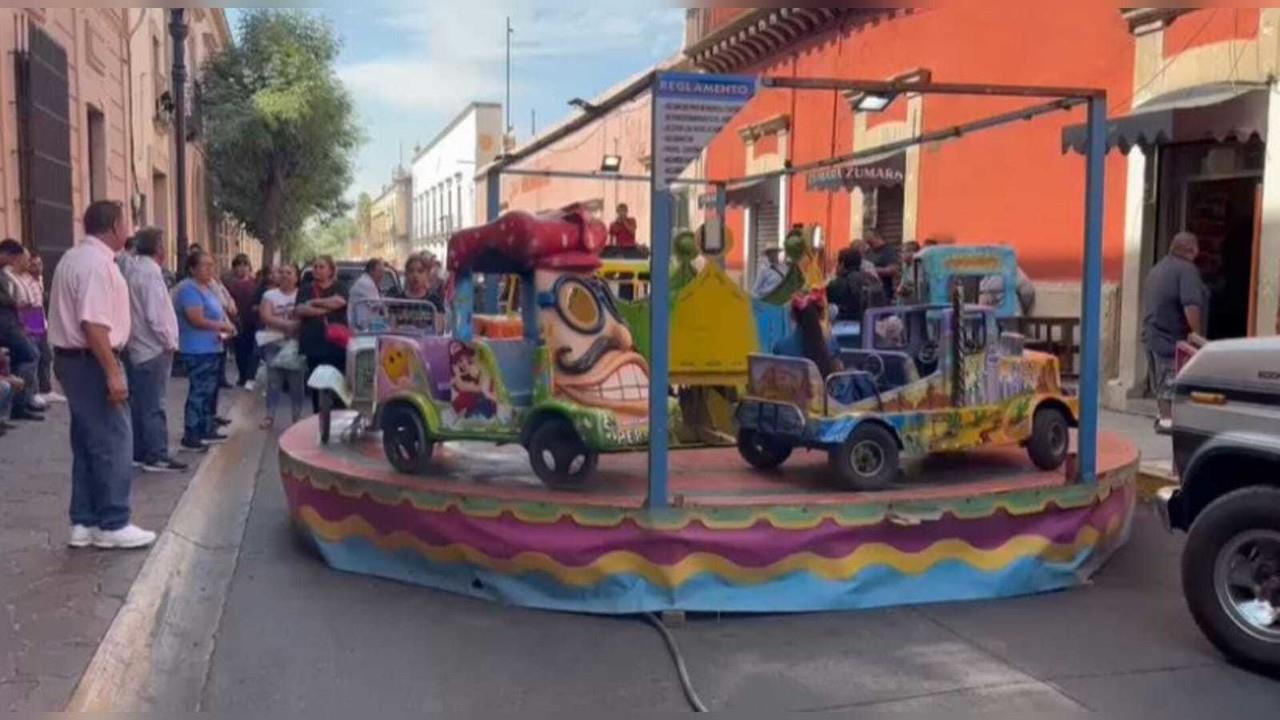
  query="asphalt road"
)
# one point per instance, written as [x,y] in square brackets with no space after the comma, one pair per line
[297,637]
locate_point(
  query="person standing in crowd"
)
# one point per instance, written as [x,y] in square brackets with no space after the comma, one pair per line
[229,309]
[281,330]
[362,305]
[907,290]
[886,260]
[243,288]
[1174,307]
[991,292]
[24,355]
[622,232]
[853,291]
[771,273]
[322,308]
[34,281]
[419,282]
[152,344]
[202,327]
[89,325]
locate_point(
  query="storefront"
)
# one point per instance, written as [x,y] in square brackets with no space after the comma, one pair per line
[880,180]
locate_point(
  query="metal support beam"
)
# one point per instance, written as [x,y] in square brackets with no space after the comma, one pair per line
[659,327]
[953,132]
[1091,291]
[930,88]
[574,175]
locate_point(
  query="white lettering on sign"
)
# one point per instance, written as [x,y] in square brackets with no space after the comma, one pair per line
[691,110]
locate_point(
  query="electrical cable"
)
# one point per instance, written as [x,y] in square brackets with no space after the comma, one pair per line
[1167,64]
[682,670]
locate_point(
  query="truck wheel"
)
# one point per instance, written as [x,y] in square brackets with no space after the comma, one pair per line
[404,439]
[325,402]
[867,460]
[762,451]
[1050,438]
[559,457]
[1231,576]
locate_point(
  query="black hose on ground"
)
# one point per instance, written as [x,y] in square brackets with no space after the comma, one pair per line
[681,669]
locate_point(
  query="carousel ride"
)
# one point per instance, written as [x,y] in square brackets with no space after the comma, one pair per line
[513,454]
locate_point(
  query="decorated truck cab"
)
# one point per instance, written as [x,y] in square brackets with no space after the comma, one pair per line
[929,378]
[559,375]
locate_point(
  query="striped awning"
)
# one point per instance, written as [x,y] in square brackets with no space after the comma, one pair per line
[1218,112]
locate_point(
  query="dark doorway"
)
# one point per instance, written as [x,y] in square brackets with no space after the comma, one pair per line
[44,147]
[1221,212]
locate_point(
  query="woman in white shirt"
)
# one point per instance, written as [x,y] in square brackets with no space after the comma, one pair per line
[279,341]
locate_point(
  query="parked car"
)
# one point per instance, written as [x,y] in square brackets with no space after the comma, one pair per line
[1226,448]
[929,379]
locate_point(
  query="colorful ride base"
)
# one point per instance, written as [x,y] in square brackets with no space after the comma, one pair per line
[986,524]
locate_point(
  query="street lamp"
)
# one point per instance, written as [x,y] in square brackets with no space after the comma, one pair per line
[611,164]
[874,102]
[178,30]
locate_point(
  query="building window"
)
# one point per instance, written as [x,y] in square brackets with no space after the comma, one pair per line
[97,127]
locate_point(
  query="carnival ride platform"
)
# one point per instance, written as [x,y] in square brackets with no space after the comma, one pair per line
[971,526]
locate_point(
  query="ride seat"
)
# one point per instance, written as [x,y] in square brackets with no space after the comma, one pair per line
[515,362]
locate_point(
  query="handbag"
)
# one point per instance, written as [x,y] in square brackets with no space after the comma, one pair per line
[337,334]
[288,358]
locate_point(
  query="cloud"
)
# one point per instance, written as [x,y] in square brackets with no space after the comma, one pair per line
[456,50]
[410,83]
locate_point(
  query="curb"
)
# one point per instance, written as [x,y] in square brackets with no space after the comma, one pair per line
[1154,477]
[157,652]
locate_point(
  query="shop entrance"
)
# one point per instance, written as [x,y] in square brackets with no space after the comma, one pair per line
[1212,190]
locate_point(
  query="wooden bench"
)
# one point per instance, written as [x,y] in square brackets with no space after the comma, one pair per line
[1053,335]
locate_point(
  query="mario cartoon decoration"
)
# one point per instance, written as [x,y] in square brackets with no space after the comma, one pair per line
[471,385]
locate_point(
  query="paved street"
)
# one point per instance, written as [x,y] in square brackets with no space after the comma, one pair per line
[58,603]
[299,638]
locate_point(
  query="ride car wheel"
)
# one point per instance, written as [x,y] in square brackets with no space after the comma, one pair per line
[867,460]
[1050,438]
[762,451]
[1231,576]
[404,439]
[559,457]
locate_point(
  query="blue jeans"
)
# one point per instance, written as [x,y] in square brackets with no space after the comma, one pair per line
[204,372]
[277,378]
[6,400]
[148,382]
[24,361]
[101,445]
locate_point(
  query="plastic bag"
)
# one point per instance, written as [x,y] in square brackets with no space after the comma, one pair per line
[289,358]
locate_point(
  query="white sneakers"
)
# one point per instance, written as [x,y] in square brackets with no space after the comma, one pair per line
[81,536]
[130,537]
[52,398]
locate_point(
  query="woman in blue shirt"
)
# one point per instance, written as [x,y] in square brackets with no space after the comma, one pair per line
[202,328]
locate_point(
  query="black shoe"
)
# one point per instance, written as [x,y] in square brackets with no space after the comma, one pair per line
[221,422]
[5,426]
[166,465]
[214,439]
[26,416]
[193,445]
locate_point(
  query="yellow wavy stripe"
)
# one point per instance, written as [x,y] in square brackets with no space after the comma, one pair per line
[743,517]
[672,576]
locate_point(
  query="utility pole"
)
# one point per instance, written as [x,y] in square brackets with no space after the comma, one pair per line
[178,30]
[510,127]
[533,123]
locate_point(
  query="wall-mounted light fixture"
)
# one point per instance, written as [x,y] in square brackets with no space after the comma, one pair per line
[611,164]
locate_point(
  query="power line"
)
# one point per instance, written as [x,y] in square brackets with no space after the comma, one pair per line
[1168,63]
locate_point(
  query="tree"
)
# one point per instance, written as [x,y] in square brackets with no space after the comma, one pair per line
[364,214]
[331,237]
[280,127]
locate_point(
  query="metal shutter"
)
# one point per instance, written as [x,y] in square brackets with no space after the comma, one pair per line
[44,154]
[889,207]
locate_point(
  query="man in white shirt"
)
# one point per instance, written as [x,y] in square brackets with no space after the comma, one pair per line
[89,325]
[151,346]
[362,307]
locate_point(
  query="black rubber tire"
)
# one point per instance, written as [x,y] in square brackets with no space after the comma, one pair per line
[1050,438]
[867,437]
[404,439]
[761,451]
[1254,508]
[325,401]
[556,438]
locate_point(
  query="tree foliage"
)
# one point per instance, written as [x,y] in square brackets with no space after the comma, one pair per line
[280,127]
[332,236]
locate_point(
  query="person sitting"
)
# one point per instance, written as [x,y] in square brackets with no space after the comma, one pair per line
[811,338]
[10,386]
[853,290]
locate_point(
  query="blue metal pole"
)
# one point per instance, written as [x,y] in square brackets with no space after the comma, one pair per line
[493,207]
[1091,290]
[722,212]
[659,322]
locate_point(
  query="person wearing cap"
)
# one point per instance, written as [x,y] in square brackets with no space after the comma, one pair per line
[772,271]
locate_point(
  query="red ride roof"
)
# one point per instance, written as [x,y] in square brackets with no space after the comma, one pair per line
[570,239]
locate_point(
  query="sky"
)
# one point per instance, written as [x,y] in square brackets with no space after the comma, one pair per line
[412,66]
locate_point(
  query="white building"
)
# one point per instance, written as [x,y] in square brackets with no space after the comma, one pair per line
[445,196]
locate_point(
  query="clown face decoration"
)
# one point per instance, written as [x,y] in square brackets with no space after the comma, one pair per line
[593,359]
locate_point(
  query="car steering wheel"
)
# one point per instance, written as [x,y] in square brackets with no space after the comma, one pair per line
[928,354]
[873,365]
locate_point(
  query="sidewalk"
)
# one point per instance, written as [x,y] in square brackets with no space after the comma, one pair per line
[57,603]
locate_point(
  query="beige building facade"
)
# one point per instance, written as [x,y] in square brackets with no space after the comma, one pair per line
[86,114]
[388,233]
